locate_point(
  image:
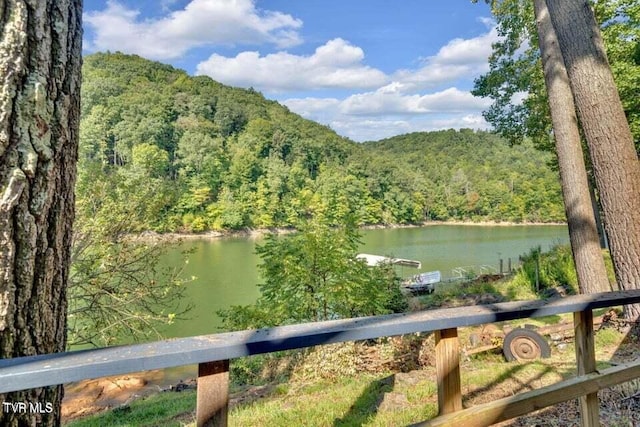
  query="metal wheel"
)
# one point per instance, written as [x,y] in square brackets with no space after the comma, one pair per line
[525,345]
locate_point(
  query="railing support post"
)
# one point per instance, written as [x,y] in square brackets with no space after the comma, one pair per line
[448,371]
[213,394]
[586,362]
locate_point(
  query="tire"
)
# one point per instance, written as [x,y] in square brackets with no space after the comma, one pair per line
[525,345]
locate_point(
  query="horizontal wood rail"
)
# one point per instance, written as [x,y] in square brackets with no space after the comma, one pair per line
[523,403]
[51,369]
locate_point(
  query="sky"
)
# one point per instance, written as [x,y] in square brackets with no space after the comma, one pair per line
[368,69]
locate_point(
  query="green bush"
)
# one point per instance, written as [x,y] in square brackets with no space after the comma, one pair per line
[198,224]
[555,268]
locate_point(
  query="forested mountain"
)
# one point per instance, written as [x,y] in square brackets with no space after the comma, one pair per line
[469,175]
[171,152]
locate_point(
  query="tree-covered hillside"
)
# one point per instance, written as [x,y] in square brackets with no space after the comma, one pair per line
[171,152]
[469,175]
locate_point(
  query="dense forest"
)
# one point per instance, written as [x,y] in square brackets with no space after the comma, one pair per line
[171,152]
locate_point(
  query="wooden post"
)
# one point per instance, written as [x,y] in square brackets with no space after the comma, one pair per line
[213,394]
[501,264]
[448,371]
[538,269]
[586,362]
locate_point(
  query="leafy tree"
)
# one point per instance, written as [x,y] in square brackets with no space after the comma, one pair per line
[119,288]
[514,81]
[150,160]
[620,24]
[229,119]
[454,174]
[202,155]
[98,140]
[228,212]
[313,275]
[120,291]
[516,74]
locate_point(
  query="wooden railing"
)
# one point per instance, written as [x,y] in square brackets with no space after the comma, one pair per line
[212,354]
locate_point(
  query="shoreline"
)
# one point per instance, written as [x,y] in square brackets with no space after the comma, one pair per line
[255,233]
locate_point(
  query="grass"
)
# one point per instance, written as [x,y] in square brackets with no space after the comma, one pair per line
[168,409]
[347,402]
[507,289]
[607,337]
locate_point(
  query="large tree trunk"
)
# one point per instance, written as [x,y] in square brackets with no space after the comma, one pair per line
[614,158]
[40,60]
[583,233]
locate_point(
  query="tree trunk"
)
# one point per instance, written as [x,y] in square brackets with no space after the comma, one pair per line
[40,60]
[583,233]
[615,161]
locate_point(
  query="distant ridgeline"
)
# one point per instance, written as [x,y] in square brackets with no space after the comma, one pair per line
[170,152]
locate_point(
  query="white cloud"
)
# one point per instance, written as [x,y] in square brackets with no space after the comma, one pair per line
[467,51]
[339,64]
[385,101]
[200,23]
[472,121]
[385,127]
[401,106]
[385,112]
[460,58]
[307,107]
[369,130]
[336,64]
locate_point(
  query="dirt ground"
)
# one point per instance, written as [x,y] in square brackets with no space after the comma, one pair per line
[619,405]
[93,396]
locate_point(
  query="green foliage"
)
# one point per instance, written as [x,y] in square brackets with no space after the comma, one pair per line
[120,292]
[516,70]
[119,288]
[454,175]
[556,268]
[227,158]
[607,337]
[266,368]
[150,160]
[620,20]
[313,275]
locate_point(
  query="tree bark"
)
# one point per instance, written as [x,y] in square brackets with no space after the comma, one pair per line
[583,233]
[614,158]
[40,61]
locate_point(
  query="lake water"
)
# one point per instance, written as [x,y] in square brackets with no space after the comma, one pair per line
[227,274]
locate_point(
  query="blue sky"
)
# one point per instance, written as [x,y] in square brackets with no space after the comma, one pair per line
[369,69]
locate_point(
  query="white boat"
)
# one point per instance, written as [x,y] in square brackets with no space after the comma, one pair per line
[424,282]
[373,260]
